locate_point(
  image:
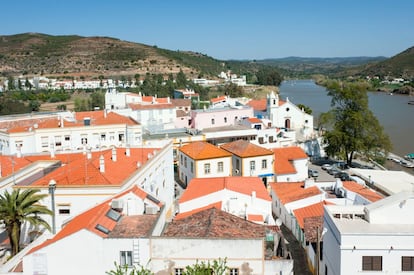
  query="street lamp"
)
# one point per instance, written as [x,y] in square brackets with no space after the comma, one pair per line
[52,187]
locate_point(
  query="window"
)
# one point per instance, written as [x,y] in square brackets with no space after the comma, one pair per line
[181,159]
[178,271]
[58,141]
[192,167]
[103,136]
[252,165]
[237,164]
[234,271]
[126,258]
[185,162]
[19,143]
[44,141]
[64,211]
[372,263]
[207,168]
[84,139]
[121,136]
[220,166]
[67,138]
[264,163]
[225,119]
[212,121]
[407,263]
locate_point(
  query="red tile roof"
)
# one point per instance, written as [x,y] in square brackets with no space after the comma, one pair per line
[79,171]
[254,120]
[137,106]
[261,104]
[244,149]
[364,191]
[283,159]
[255,218]
[214,223]
[293,191]
[96,118]
[189,213]
[181,102]
[200,150]
[313,210]
[91,218]
[218,99]
[199,187]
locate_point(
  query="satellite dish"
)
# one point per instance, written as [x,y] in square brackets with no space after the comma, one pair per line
[278,222]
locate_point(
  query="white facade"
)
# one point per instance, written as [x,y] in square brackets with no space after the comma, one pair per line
[374,239]
[288,115]
[233,202]
[67,136]
[169,254]
[261,166]
[206,168]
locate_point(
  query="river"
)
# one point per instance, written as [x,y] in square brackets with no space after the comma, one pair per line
[392,111]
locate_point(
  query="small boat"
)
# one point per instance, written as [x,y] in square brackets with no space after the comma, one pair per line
[411,102]
[409,156]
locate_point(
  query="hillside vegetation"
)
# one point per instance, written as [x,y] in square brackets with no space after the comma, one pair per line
[91,57]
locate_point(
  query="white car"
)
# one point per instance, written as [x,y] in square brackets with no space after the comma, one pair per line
[326,167]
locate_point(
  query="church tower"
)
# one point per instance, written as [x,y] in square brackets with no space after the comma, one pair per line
[272,106]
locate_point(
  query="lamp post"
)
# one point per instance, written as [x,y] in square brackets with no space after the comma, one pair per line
[52,187]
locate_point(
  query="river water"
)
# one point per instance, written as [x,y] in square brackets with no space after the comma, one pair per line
[392,111]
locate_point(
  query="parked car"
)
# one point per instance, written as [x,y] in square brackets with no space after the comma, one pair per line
[333,171]
[313,173]
[326,167]
[343,176]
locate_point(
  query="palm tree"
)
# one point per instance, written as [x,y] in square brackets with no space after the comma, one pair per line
[18,207]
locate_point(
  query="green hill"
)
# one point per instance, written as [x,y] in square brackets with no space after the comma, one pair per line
[72,55]
[400,65]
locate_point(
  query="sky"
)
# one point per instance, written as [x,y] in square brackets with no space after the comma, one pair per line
[227,29]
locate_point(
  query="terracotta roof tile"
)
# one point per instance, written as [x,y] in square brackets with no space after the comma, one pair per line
[180,216]
[284,158]
[214,223]
[137,106]
[255,218]
[364,191]
[80,171]
[244,149]
[293,191]
[96,118]
[199,187]
[311,226]
[218,99]
[203,150]
[181,102]
[260,105]
[134,226]
[313,210]
[254,120]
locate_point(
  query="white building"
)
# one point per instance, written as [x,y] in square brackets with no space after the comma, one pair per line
[291,164]
[66,131]
[375,239]
[250,160]
[201,159]
[245,197]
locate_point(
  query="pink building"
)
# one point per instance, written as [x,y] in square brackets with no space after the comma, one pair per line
[219,117]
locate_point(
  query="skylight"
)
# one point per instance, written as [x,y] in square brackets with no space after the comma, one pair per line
[113,215]
[102,228]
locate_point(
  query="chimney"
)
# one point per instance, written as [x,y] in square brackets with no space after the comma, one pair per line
[105,112]
[89,154]
[168,100]
[52,153]
[128,151]
[253,197]
[102,164]
[19,152]
[114,154]
[61,122]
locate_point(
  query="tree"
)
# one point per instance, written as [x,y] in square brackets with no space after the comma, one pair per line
[27,84]
[354,128]
[181,80]
[218,267]
[268,76]
[18,207]
[10,83]
[305,108]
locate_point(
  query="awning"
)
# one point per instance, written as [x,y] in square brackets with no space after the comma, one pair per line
[266,175]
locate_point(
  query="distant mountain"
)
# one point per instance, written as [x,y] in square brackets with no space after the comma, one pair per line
[319,65]
[400,65]
[72,55]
